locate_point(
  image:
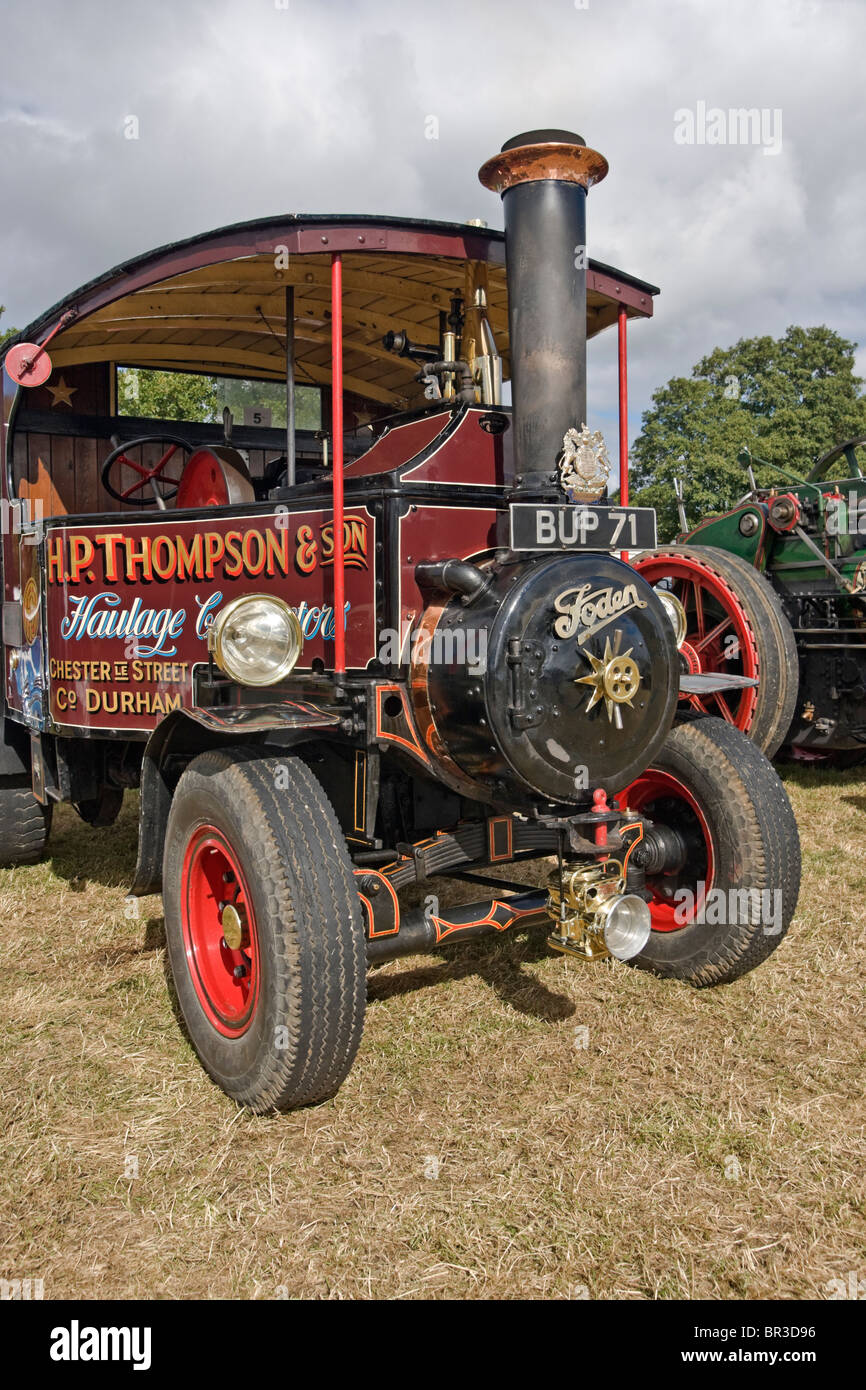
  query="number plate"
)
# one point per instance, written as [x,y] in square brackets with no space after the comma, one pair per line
[570,527]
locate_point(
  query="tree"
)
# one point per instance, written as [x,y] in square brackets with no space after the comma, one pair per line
[156,395]
[5,333]
[788,399]
[238,393]
[149,393]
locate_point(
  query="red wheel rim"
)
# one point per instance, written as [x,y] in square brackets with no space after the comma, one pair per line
[714,616]
[226,980]
[661,797]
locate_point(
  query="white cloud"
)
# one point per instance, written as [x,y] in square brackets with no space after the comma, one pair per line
[246,109]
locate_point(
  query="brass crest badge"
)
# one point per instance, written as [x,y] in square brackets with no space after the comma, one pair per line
[584,465]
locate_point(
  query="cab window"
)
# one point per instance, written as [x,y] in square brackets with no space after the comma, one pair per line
[150,394]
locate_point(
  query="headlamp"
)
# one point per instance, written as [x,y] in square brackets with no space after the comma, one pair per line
[676,613]
[256,639]
[627,924]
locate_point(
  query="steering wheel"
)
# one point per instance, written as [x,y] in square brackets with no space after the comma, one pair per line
[848,449]
[147,475]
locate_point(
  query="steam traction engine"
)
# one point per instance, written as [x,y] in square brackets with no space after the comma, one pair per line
[426,662]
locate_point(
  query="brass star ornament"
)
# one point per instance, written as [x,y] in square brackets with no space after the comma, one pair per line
[61,394]
[615,678]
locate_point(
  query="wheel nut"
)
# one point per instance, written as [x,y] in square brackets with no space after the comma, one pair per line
[239,972]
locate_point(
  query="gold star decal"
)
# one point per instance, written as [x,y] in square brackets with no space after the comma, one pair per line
[615,678]
[61,393]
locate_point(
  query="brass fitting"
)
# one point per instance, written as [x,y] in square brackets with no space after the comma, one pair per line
[578,908]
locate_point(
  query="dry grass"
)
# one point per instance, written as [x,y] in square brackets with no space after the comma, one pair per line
[558,1166]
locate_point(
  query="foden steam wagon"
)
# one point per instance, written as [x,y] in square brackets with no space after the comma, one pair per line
[374,628]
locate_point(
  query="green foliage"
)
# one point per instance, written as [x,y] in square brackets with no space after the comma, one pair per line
[239,394]
[789,399]
[5,333]
[166,395]
[148,393]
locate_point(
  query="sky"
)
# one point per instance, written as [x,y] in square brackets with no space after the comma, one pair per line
[247,108]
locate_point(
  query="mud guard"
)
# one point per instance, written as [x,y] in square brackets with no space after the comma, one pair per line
[187,732]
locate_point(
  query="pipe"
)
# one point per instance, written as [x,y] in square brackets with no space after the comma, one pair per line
[402,344]
[451,369]
[622,322]
[290,386]
[543,176]
[454,576]
[421,930]
[337,434]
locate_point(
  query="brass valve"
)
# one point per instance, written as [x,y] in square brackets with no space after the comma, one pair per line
[593,914]
[575,908]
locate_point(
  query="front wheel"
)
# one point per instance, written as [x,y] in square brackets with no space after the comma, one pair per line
[264,929]
[723,894]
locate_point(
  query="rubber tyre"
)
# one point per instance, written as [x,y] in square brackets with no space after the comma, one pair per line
[24,826]
[789,657]
[306,1025]
[755,845]
[768,720]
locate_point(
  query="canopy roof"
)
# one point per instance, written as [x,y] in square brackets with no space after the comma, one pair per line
[216,303]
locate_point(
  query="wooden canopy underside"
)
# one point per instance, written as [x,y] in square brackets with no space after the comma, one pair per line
[229,318]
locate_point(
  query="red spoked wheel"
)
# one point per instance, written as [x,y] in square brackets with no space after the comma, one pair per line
[735,626]
[719,635]
[663,798]
[264,928]
[219,933]
[720,854]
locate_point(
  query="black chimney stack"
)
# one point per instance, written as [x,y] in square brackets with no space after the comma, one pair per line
[543,176]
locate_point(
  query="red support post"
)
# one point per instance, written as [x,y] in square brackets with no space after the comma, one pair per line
[337,451]
[623,356]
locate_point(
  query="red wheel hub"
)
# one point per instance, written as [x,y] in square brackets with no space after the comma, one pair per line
[719,636]
[691,659]
[219,933]
[203,483]
[662,797]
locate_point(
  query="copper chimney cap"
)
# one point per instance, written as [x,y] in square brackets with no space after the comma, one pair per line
[543,154]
